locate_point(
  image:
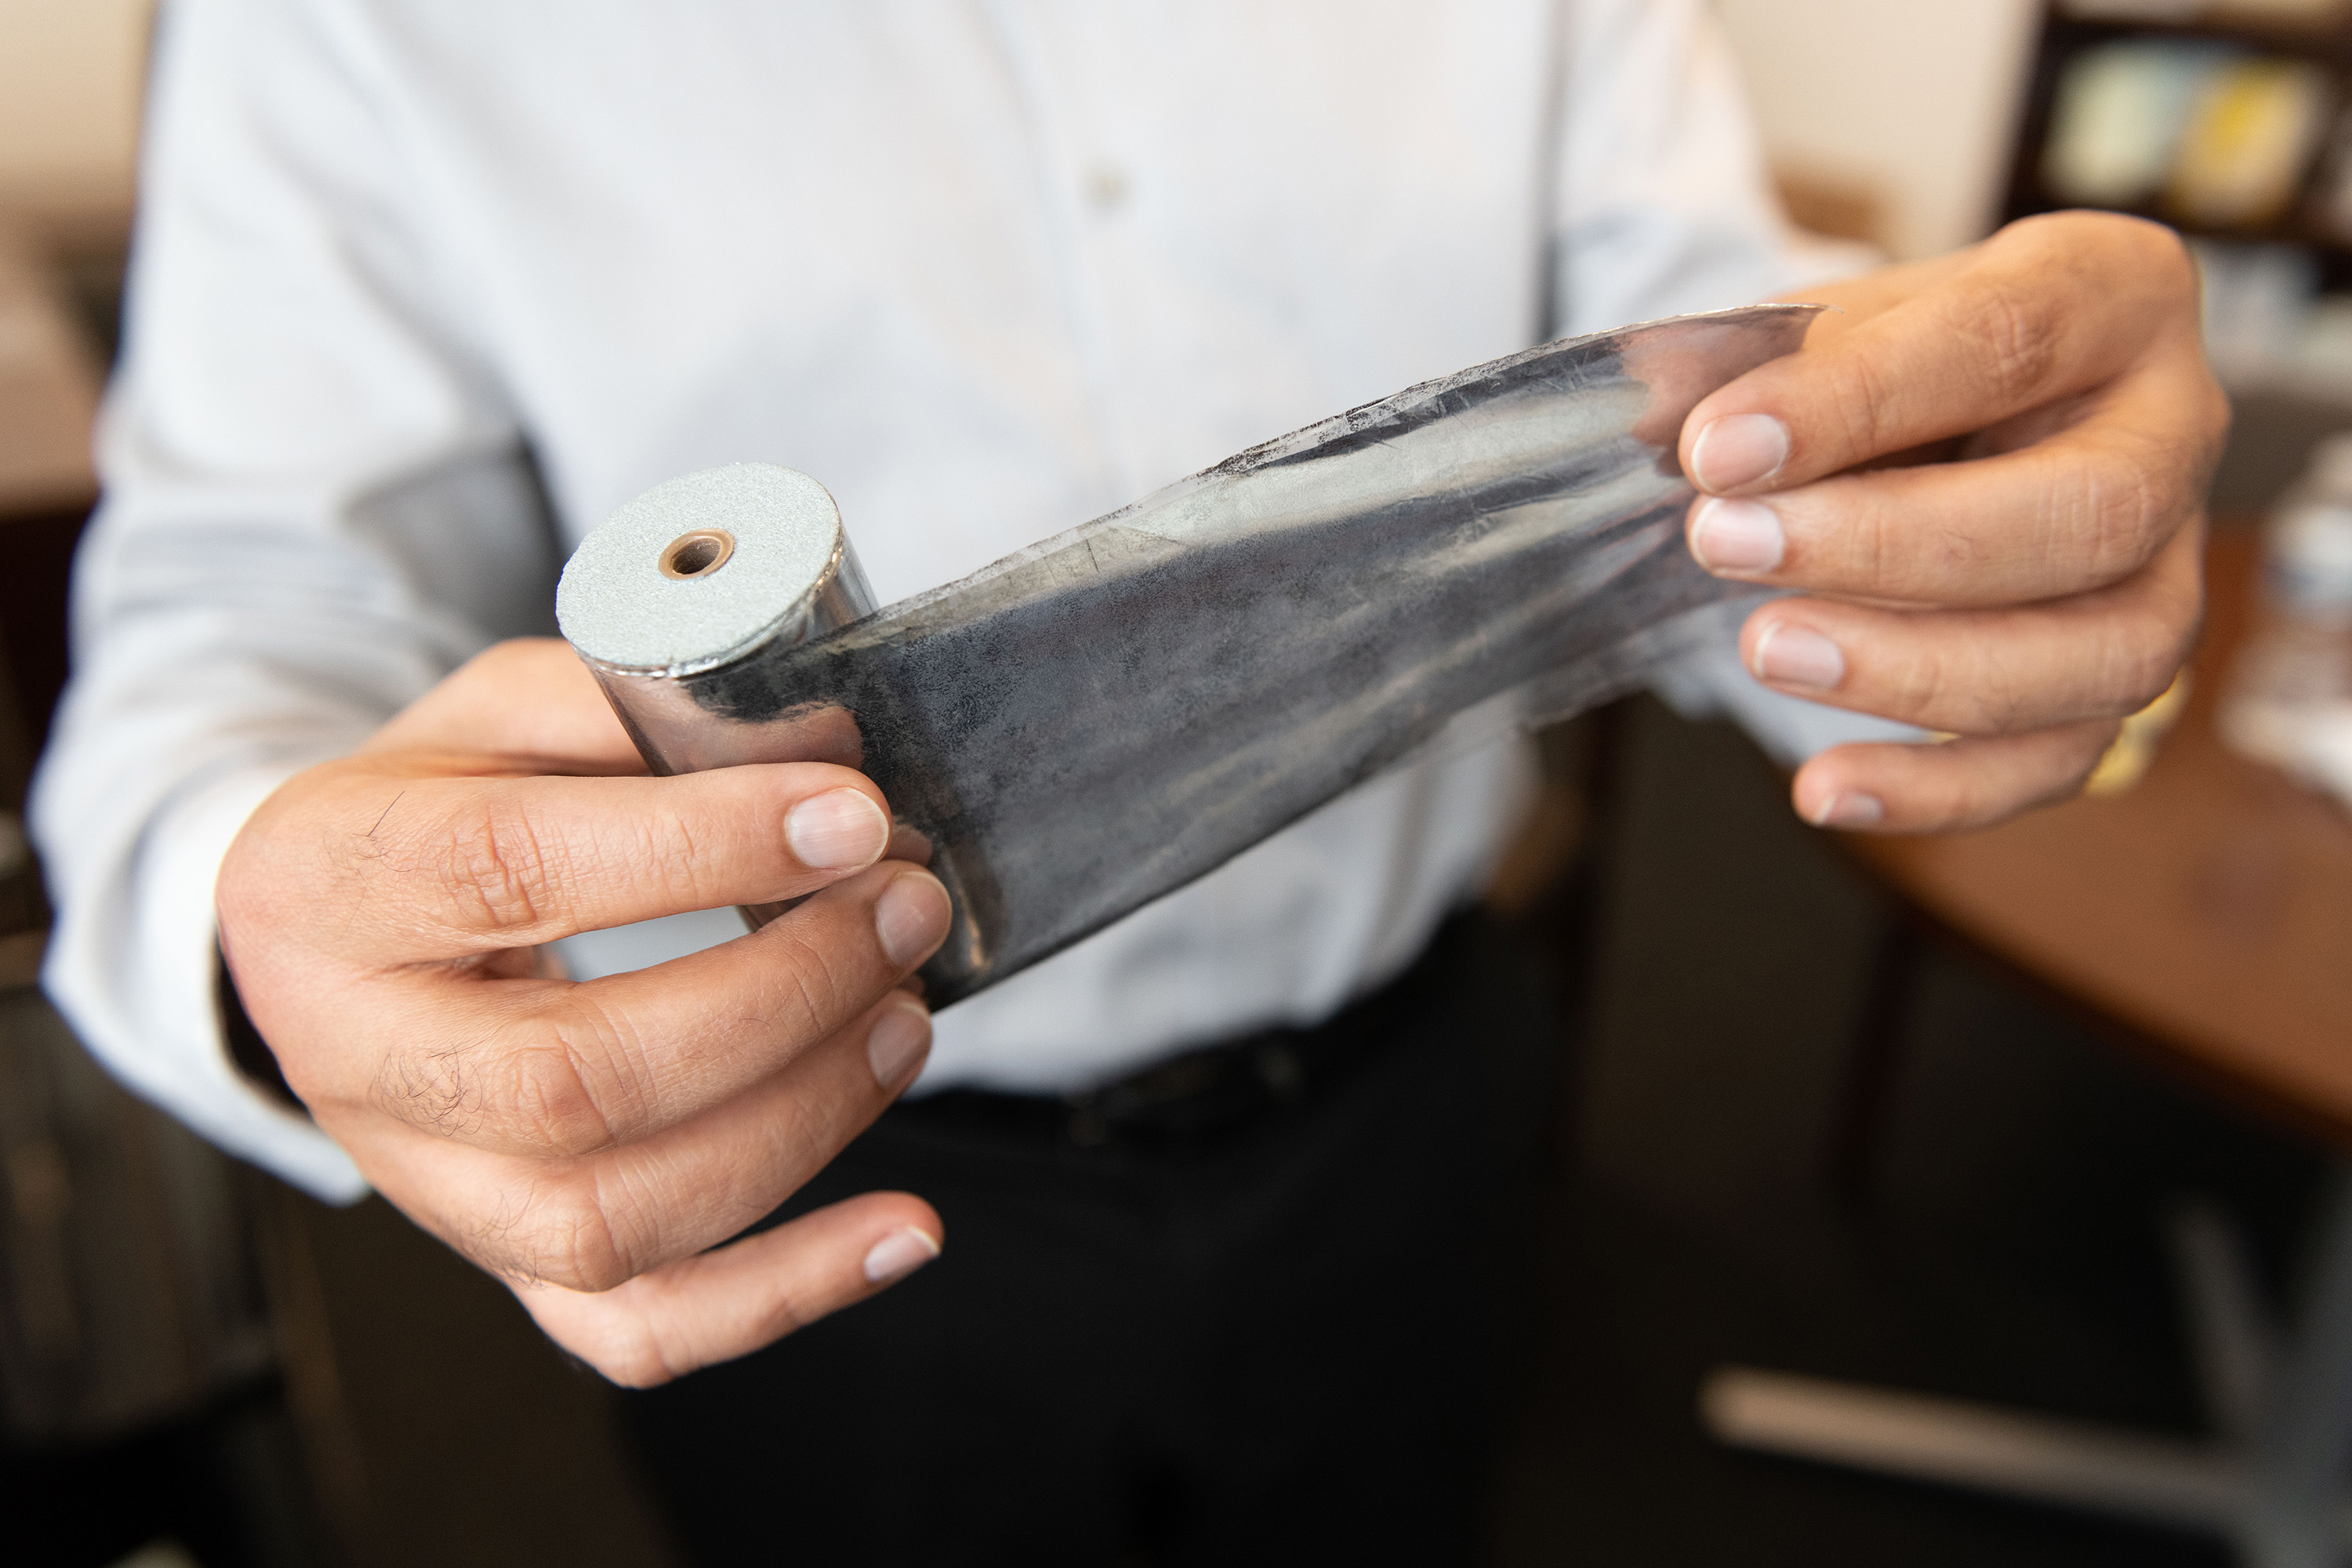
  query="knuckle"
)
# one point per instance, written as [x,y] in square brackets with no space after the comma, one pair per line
[2145,638]
[2217,415]
[562,1084]
[498,870]
[1939,788]
[2069,754]
[1958,689]
[2152,678]
[1880,548]
[1916,686]
[2141,249]
[577,1249]
[2016,339]
[548,1104]
[548,1083]
[556,1235]
[1956,806]
[2075,753]
[585,1255]
[2156,255]
[1876,554]
[815,987]
[676,848]
[1989,780]
[2144,667]
[1922,688]
[2204,438]
[2167,259]
[1862,405]
[2118,518]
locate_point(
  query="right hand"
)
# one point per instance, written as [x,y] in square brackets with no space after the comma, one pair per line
[382,917]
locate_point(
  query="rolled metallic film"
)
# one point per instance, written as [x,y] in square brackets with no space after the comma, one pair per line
[1101,718]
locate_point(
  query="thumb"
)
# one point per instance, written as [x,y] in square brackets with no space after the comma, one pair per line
[528,697]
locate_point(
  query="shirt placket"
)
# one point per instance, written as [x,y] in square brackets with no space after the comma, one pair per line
[1085,182]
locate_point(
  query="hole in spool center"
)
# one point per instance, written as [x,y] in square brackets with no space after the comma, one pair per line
[697,555]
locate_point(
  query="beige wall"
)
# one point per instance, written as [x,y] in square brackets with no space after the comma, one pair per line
[70,83]
[1914,100]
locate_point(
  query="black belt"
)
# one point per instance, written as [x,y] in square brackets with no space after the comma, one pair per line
[1210,1091]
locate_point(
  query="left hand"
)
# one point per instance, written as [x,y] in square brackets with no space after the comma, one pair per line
[593,1144]
[1986,474]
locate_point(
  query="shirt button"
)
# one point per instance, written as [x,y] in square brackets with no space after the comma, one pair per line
[1107,187]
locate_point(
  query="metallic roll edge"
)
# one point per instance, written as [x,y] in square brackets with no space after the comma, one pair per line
[697,574]
[1101,718]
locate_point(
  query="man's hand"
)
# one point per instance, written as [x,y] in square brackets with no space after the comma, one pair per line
[382,917]
[1988,473]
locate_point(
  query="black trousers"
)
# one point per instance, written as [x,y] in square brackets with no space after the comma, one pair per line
[1265,1304]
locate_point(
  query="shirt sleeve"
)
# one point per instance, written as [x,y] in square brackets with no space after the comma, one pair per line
[1663,201]
[314,510]
[1664,206]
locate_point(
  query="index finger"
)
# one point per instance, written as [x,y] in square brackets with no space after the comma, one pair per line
[391,868]
[2046,309]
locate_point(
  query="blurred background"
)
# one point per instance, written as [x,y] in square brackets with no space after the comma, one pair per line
[2042,1120]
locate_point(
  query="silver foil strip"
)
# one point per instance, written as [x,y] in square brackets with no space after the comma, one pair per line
[1104,716]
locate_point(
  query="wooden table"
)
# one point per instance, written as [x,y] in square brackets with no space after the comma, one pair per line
[2208,911]
[2205,916]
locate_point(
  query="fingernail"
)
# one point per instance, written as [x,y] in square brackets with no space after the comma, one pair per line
[896,1042]
[1737,536]
[911,917]
[1790,655]
[1738,449]
[1849,810]
[897,1254]
[839,830]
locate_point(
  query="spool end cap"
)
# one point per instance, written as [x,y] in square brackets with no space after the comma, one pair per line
[698,569]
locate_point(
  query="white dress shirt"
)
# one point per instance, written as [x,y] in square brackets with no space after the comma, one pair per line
[987,269]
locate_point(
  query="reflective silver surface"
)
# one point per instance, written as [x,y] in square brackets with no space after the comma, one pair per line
[1104,716]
